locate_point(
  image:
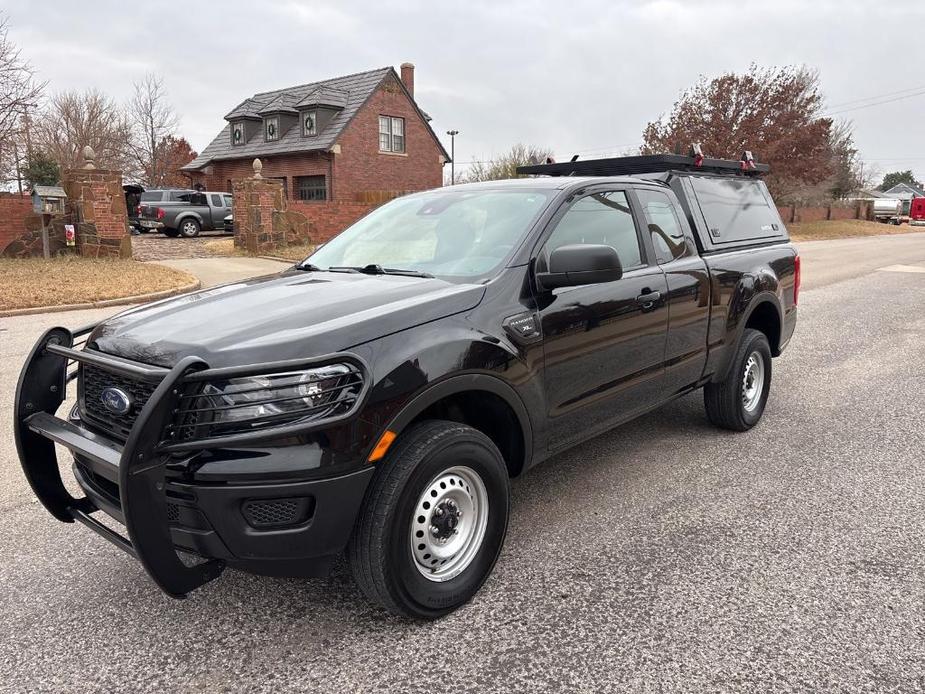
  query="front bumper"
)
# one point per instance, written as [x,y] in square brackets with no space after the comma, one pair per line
[283,524]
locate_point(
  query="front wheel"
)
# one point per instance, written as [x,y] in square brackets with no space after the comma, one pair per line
[189,228]
[737,402]
[433,521]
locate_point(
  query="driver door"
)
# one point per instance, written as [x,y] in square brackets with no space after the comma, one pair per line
[604,344]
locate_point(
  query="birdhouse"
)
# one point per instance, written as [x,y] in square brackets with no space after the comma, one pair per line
[48,199]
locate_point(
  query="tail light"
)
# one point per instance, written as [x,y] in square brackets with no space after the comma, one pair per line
[138,210]
[796,279]
[160,212]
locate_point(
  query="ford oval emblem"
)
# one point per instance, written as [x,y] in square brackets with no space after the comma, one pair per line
[116,400]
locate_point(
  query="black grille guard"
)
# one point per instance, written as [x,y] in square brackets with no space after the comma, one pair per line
[142,459]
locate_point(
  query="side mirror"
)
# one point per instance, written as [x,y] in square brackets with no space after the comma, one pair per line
[570,266]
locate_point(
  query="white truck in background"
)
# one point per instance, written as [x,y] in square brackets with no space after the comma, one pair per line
[888,210]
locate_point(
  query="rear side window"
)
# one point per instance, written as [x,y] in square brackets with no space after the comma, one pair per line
[664,225]
[179,196]
[152,196]
[737,209]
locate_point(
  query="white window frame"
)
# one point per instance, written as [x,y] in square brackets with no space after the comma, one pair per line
[391,128]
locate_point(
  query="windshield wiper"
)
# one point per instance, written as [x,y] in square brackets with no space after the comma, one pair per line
[374,269]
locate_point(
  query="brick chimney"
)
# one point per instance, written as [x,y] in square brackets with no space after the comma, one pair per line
[407,77]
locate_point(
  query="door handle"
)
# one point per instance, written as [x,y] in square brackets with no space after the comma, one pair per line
[648,298]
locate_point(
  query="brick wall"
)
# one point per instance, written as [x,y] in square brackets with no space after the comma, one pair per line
[329,219]
[14,209]
[791,213]
[96,198]
[362,167]
[288,167]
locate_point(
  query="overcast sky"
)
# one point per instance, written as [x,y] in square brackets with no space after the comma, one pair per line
[579,76]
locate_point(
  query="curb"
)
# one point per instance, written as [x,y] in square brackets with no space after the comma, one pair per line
[289,261]
[136,299]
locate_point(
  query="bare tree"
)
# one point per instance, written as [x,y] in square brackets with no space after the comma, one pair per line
[505,165]
[19,91]
[153,121]
[72,120]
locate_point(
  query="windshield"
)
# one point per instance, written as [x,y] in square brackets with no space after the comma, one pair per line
[450,234]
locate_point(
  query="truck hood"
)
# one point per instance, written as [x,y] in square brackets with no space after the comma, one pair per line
[292,315]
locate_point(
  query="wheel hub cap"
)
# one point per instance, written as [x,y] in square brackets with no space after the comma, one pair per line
[449,523]
[753,381]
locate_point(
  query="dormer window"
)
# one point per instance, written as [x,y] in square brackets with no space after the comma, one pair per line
[237,133]
[271,128]
[309,123]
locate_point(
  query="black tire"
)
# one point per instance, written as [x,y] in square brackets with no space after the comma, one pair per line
[189,228]
[172,233]
[380,550]
[726,401]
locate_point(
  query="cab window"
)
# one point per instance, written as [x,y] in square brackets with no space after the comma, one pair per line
[664,225]
[602,218]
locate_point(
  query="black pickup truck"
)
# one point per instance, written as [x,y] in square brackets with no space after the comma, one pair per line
[378,397]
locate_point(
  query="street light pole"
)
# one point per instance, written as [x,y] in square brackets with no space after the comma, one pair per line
[452,134]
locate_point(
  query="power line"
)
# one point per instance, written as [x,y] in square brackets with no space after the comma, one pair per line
[876,103]
[878,96]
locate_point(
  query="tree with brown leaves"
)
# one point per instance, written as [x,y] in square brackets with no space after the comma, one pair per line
[172,154]
[774,112]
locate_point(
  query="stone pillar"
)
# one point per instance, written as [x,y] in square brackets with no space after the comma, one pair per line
[261,219]
[96,203]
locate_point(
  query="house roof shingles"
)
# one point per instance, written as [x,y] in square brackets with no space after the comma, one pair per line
[352,90]
[904,191]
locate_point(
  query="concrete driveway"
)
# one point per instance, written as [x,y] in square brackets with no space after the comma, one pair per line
[663,556]
[213,271]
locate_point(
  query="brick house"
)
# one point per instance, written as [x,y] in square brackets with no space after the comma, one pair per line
[340,146]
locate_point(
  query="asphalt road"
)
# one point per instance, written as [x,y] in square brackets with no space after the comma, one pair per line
[663,556]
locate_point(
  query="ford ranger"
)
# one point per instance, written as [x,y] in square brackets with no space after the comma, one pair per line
[377,398]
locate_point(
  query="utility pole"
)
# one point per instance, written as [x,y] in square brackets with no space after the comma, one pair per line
[27,128]
[18,170]
[452,134]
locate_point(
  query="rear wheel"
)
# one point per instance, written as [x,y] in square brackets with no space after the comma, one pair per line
[738,401]
[433,521]
[189,228]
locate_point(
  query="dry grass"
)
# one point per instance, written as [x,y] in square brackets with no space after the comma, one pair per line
[226,247]
[31,282]
[818,231]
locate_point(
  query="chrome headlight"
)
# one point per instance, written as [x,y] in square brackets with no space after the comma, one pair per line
[243,404]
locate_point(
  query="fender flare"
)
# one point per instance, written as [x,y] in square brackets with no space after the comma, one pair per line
[763,297]
[461,384]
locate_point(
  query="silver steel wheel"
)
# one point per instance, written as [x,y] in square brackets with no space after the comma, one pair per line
[753,381]
[449,523]
[190,228]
